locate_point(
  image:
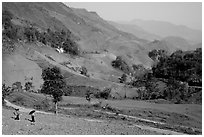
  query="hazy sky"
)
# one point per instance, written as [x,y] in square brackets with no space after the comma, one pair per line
[182,13]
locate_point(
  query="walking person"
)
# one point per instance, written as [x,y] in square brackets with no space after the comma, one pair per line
[32,116]
[17,114]
[88,96]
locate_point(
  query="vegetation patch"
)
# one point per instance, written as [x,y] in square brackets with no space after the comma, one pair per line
[57,39]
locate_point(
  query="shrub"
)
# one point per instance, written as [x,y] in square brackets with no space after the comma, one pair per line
[103,94]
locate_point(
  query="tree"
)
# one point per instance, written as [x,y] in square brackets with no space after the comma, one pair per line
[53,84]
[182,66]
[6,90]
[71,47]
[28,86]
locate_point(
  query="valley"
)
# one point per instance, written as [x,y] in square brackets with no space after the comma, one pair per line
[85,75]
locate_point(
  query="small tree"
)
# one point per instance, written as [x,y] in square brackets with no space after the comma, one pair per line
[6,18]
[53,84]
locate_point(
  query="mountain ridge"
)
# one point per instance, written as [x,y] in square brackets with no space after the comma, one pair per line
[164,29]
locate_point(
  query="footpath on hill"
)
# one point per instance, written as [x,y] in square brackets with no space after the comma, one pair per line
[48,123]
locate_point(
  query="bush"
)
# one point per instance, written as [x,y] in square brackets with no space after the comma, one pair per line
[103,94]
[120,64]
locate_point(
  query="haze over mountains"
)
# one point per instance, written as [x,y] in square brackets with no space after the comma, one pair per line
[136,30]
[165,29]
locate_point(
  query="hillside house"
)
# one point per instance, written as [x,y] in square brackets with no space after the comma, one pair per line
[60,50]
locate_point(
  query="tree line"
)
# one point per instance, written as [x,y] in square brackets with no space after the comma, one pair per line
[171,76]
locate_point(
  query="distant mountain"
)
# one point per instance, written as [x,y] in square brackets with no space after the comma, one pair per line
[171,44]
[136,30]
[165,29]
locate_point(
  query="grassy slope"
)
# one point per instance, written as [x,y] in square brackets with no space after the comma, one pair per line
[35,54]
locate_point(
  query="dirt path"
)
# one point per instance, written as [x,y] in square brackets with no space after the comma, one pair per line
[48,123]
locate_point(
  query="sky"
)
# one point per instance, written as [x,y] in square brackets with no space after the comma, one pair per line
[179,13]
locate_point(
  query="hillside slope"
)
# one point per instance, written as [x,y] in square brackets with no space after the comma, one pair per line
[95,34]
